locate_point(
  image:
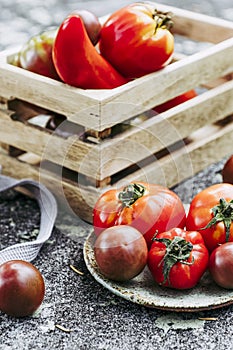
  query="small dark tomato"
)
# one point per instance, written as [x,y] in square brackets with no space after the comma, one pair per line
[227,171]
[221,265]
[120,252]
[22,288]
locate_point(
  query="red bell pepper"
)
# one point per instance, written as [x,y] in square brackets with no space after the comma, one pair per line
[77,61]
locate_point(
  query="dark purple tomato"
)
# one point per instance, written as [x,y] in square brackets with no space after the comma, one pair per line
[227,171]
[221,265]
[22,288]
[120,252]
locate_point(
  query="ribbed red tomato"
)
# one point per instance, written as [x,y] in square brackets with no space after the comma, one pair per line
[147,207]
[136,39]
[178,258]
[211,213]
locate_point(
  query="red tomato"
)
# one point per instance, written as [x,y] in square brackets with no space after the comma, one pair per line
[175,101]
[22,288]
[136,40]
[36,54]
[211,213]
[120,252]
[147,207]
[221,265]
[178,258]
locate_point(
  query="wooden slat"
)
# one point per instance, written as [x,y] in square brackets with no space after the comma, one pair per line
[178,77]
[71,152]
[101,109]
[111,156]
[49,94]
[198,26]
[71,197]
[187,161]
[163,130]
[167,171]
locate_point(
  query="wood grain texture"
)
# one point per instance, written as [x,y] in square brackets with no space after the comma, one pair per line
[72,198]
[210,145]
[197,26]
[70,152]
[168,171]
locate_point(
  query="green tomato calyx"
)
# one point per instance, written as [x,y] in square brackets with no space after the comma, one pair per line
[131,193]
[222,212]
[177,250]
[163,19]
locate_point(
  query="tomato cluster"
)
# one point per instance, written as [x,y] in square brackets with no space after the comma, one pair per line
[126,42]
[145,224]
[87,54]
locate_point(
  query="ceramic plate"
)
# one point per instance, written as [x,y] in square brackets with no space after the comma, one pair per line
[144,291]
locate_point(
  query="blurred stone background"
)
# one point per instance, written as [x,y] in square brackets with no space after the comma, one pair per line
[19,19]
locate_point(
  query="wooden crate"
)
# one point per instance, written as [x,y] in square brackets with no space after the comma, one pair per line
[111,137]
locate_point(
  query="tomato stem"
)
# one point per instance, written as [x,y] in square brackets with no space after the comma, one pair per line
[177,250]
[163,19]
[223,212]
[131,193]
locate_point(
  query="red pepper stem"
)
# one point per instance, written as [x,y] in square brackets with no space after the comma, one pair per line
[131,193]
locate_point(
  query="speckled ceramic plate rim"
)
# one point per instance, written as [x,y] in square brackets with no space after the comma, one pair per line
[144,291]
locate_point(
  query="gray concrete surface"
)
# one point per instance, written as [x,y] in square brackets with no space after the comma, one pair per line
[97,318]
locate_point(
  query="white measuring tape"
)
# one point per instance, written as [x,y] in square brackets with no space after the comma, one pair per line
[48,207]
